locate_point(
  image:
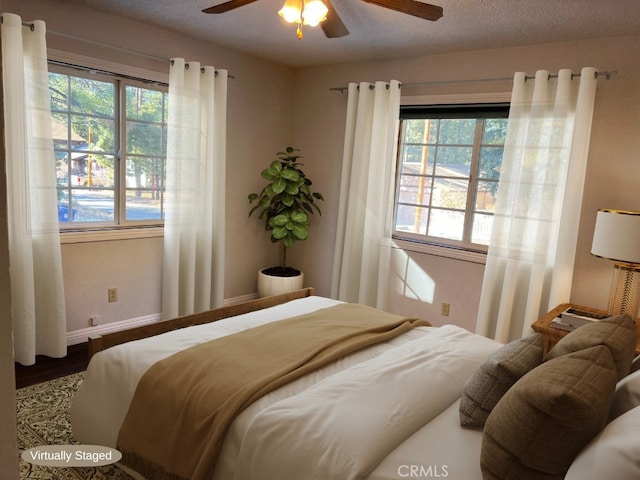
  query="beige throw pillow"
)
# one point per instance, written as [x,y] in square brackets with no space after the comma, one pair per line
[543,421]
[495,376]
[618,334]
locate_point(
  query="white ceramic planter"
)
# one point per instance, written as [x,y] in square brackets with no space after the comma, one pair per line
[269,285]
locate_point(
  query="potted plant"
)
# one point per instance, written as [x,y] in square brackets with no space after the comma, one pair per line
[284,205]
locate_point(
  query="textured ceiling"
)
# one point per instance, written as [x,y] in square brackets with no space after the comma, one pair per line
[377,33]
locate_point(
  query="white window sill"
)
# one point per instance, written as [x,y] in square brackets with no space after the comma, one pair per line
[439,251]
[77,236]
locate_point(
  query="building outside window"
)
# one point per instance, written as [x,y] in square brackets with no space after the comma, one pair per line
[110,146]
[449,160]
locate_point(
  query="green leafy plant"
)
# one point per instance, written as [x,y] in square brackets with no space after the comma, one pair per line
[286,202]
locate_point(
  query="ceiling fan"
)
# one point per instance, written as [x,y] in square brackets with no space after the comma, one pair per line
[333,27]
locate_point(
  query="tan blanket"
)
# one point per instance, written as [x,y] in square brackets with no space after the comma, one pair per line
[183,405]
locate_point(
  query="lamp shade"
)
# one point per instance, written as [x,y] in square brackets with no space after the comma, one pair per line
[617,235]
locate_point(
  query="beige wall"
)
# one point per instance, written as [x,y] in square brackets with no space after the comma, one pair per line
[613,172]
[91,268]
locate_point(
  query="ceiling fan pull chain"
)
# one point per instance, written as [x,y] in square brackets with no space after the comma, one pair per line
[299,30]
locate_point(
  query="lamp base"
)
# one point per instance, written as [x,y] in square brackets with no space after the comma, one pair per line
[624,296]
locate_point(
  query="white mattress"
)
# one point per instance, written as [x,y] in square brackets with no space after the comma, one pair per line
[441,445]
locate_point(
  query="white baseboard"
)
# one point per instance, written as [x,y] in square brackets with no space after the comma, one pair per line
[241,299]
[80,336]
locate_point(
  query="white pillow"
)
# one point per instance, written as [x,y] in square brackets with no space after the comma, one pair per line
[635,365]
[613,453]
[627,395]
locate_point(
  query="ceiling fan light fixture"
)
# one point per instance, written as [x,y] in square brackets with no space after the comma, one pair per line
[306,12]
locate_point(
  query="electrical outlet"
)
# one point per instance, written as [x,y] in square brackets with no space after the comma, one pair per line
[94,320]
[445,308]
[112,293]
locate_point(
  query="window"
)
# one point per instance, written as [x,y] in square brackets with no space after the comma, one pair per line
[449,160]
[110,146]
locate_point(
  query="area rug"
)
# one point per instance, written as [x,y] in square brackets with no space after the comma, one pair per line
[43,419]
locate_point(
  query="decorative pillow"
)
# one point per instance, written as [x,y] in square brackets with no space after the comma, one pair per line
[627,395]
[617,333]
[543,421]
[495,376]
[614,453]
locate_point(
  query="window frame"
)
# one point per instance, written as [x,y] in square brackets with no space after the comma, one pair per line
[422,243]
[122,155]
[159,77]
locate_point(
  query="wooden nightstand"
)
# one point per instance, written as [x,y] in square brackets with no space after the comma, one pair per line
[552,335]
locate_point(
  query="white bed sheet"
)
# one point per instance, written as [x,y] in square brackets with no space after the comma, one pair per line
[112,376]
[440,449]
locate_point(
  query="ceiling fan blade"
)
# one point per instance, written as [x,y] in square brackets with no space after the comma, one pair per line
[411,7]
[333,26]
[226,6]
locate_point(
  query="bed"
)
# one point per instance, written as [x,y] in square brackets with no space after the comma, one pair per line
[390,410]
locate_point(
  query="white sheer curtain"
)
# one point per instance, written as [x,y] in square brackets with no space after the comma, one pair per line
[194,231]
[531,255]
[361,262]
[35,259]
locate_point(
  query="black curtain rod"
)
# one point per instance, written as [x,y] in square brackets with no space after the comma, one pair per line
[106,72]
[31,26]
[606,74]
[127,50]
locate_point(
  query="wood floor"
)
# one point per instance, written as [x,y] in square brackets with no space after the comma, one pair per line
[47,368]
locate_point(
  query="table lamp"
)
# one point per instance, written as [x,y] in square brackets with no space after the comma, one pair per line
[617,237]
